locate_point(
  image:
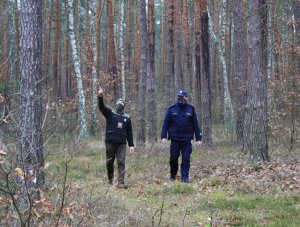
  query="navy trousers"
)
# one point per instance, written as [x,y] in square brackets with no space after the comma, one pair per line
[185,149]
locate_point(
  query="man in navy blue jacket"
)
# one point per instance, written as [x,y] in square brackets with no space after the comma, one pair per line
[180,125]
[118,132]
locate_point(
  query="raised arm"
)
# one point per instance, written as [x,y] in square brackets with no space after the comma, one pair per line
[104,110]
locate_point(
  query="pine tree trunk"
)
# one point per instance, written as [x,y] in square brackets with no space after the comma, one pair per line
[141,136]
[31,150]
[137,44]
[178,47]
[17,32]
[46,47]
[121,49]
[112,62]
[170,53]
[56,76]
[240,66]
[187,48]
[255,135]
[197,82]
[128,39]
[3,54]
[206,93]
[76,62]
[152,113]
[97,31]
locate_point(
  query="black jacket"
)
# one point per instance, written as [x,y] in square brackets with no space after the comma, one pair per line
[118,126]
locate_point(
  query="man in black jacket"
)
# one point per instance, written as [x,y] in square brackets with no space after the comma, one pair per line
[118,132]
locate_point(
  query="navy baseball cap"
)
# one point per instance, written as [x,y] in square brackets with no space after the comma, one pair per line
[182,93]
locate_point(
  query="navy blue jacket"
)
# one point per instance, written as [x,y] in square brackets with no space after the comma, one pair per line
[181,123]
[118,126]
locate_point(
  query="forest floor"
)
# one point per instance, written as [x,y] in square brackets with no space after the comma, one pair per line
[225,189]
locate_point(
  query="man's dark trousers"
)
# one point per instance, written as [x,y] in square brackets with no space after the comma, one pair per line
[186,149]
[115,150]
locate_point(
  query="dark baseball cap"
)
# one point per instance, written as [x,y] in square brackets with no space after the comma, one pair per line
[182,93]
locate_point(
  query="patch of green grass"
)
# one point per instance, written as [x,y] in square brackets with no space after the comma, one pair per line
[79,166]
[253,210]
[181,189]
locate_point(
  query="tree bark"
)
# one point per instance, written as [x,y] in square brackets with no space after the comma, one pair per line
[197,34]
[17,32]
[4,76]
[152,113]
[170,53]
[141,136]
[56,75]
[229,116]
[255,136]
[46,52]
[206,93]
[240,66]
[112,61]
[178,47]
[76,62]
[97,31]
[30,157]
[128,38]
[188,60]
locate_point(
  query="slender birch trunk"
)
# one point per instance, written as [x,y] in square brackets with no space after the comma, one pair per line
[76,61]
[229,116]
[93,56]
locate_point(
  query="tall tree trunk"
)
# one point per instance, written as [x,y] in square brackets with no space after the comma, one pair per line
[76,61]
[295,73]
[188,73]
[128,38]
[56,76]
[197,26]
[121,48]
[92,61]
[3,54]
[206,93]
[17,32]
[30,157]
[68,84]
[178,47]
[46,47]
[263,12]
[112,61]
[229,116]
[97,31]
[152,113]
[240,66]
[170,53]
[141,136]
[137,43]
[255,135]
